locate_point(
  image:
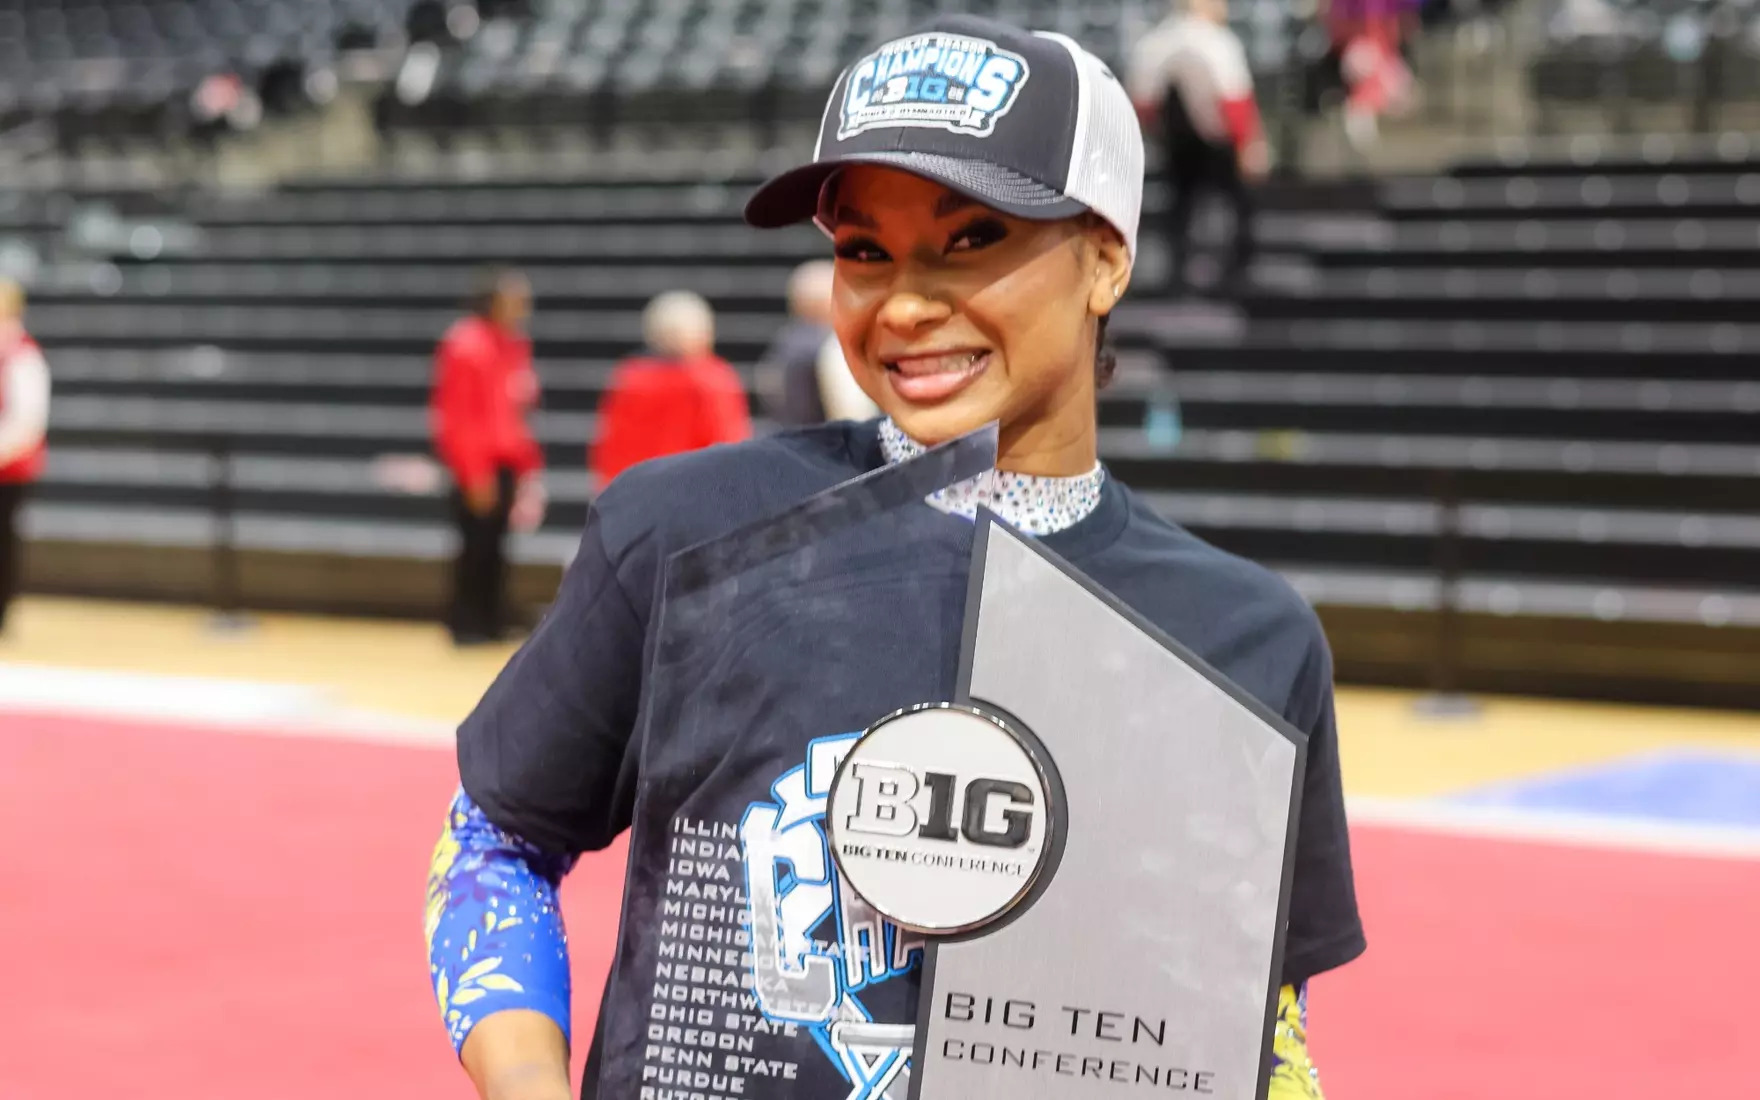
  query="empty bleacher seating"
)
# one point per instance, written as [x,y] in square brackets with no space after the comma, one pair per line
[1547,356]
[1554,359]
[126,70]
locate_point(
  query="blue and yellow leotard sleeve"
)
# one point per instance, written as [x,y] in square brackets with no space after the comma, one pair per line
[494,929]
[1293,1076]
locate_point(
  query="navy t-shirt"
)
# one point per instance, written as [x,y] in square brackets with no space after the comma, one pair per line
[739,947]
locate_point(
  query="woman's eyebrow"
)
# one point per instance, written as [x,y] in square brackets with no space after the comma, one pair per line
[952,202]
[845,215]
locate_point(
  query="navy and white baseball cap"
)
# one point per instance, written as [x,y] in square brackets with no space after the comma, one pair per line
[1028,123]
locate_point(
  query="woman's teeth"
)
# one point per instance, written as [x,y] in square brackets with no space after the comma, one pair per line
[938,364]
[931,378]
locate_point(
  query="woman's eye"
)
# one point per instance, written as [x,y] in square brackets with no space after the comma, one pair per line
[861,250]
[979,234]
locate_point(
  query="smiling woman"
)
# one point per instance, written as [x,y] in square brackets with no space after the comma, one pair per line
[953,315]
[982,187]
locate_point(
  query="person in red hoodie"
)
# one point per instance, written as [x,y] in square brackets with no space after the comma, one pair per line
[24,422]
[484,389]
[678,396]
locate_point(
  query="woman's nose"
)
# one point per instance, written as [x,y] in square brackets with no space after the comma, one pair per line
[908,311]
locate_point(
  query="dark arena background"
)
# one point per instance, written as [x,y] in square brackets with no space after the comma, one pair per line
[1489,397]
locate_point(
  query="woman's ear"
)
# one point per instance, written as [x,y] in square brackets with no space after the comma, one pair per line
[1112,270]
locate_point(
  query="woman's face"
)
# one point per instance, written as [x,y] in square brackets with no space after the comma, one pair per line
[512,305]
[953,315]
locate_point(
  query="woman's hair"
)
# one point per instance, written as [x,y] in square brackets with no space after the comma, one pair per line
[809,290]
[487,288]
[678,322]
[1105,359]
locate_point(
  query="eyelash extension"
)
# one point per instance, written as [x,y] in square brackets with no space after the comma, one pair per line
[983,232]
[855,248]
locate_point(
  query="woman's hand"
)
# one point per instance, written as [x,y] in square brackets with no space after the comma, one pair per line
[481,499]
[529,503]
[1255,161]
[518,1055]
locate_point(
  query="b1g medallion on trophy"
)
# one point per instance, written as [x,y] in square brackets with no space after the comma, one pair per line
[894,832]
[1095,843]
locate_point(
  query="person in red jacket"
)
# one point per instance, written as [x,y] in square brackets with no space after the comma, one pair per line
[24,421]
[484,388]
[679,396]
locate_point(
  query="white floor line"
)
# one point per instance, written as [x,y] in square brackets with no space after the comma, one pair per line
[301,711]
[1549,827]
[241,705]
[378,728]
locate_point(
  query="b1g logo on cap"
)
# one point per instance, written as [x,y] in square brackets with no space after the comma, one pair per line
[943,817]
[944,81]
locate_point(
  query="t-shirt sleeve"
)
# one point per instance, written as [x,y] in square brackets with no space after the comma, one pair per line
[548,754]
[1325,930]
[1227,59]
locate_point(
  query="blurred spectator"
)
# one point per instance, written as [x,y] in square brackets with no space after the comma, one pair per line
[221,103]
[788,376]
[484,389]
[427,22]
[676,396]
[841,397]
[803,378]
[24,422]
[1190,77]
[1368,37]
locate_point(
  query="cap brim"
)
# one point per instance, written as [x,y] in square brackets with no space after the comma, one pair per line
[793,196]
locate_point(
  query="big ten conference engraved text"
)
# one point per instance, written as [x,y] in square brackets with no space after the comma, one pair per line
[1065,1040]
[706,1037]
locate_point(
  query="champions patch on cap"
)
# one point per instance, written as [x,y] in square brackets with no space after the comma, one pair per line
[1024,122]
[939,80]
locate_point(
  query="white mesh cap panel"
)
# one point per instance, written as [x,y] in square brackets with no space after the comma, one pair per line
[1106,162]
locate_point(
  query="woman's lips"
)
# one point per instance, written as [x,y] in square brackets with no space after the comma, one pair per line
[924,379]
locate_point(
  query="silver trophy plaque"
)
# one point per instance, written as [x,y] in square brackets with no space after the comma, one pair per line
[1095,841]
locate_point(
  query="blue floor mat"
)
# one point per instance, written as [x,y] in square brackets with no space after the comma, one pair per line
[1689,787]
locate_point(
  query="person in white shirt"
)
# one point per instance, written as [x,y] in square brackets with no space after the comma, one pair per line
[840,396]
[24,424]
[1189,77]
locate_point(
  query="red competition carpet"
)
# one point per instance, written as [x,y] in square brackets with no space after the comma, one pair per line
[211,916]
